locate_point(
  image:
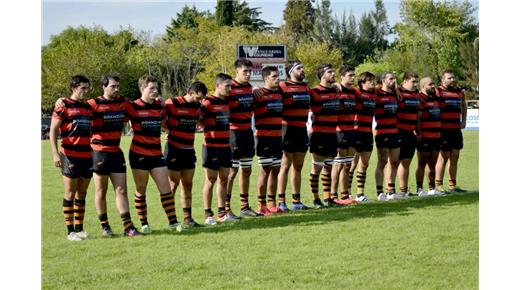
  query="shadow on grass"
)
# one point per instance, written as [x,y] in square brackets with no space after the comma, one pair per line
[322,216]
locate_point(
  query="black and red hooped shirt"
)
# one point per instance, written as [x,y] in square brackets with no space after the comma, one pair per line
[451,106]
[325,107]
[365,109]
[146,122]
[296,103]
[75,129]
[182,122]
[215,119]
[409,104]
[108,117]
[347,108]
[240,106]
[268,113]
[386,112]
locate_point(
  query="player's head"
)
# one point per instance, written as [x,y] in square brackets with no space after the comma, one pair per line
[388,80]
[243,68]
[366,80]
[222,85]
[79,85]
[271,77]
[326,73]
[197,91]
[149,86]
[347,74]
[448,78]
[427,86]
[410,81]
[110,85]
[295,71]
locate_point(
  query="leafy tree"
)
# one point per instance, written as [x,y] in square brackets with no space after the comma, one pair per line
[187,18]
[323,23]
[299,18]
[345,38]
[248,17]
[312,54]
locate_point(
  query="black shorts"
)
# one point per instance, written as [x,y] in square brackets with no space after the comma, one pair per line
[364,141]
[451,139]
[216,157]
[270,147]
[242,144]
[178,159]
[346,139]
[324,144]
[295,139]
[108,162]
[429,145]
[390,141]
[143,162]
[75,167]
[408,144]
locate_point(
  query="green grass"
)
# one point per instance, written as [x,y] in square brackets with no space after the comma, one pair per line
[429,243]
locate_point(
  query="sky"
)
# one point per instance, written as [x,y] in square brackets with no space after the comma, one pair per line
[154,16]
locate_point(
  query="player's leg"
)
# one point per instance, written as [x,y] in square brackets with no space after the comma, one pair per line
[382,160]
[393,163]
[187,196]
[160,177]
[141,182]
[120,188]
[207,194]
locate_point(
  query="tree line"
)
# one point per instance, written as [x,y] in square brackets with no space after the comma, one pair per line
[430,36]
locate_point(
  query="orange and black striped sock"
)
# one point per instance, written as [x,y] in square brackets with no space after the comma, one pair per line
[79,214]
[361,178]
[68,213]
[296,198]
[244,201]
[314,180]
[127,221]
[227,202]
[187,214]
[271,200]
[168,204]
[261,200]
[438,184]
[281,197]
[103,219]
[326,183]
[140,207]
[390,187]
[452,183]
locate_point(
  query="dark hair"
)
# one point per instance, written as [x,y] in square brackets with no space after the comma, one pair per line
[364,77]
[76,80]
[222,77]
[289,65]
[146,79]
[198,87]
[322,68]
[346,68]
[106,79]
[446,71]
[243,62]
[266,71]
[408,75]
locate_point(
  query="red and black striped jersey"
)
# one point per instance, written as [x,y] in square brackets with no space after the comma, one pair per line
[347,108]
[75,128]
[108,117]
[215,119]
[430,122]
[296,103]
[146,122]
[182,122]
[408,107]
[268,113]
[451,106]
[386,112]
[240,106]
[325,108]
[365,109]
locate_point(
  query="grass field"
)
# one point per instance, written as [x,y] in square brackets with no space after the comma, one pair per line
[428,243]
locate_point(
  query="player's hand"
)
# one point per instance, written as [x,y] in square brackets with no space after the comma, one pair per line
[338,86]
[160,99]
[60,103]
[56,159]
[257,92]
[463,125]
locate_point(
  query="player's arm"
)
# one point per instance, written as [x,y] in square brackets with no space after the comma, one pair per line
[257,92]
[464,109]
[60,103]
[418,126]
[53,137]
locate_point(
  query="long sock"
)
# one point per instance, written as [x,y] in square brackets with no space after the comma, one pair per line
[390,187]
[281,197]
[244,201]
[68,213]
[314,180]
[452,183]
[140,207]
[79,214]
[221,212]
[271,200]
[326,184]
[168,204]
[438,183]
[361,178]
[296,198]
[227,202]
[103,219]
[127,221]
[187,214]
[261,200]
[208,213]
